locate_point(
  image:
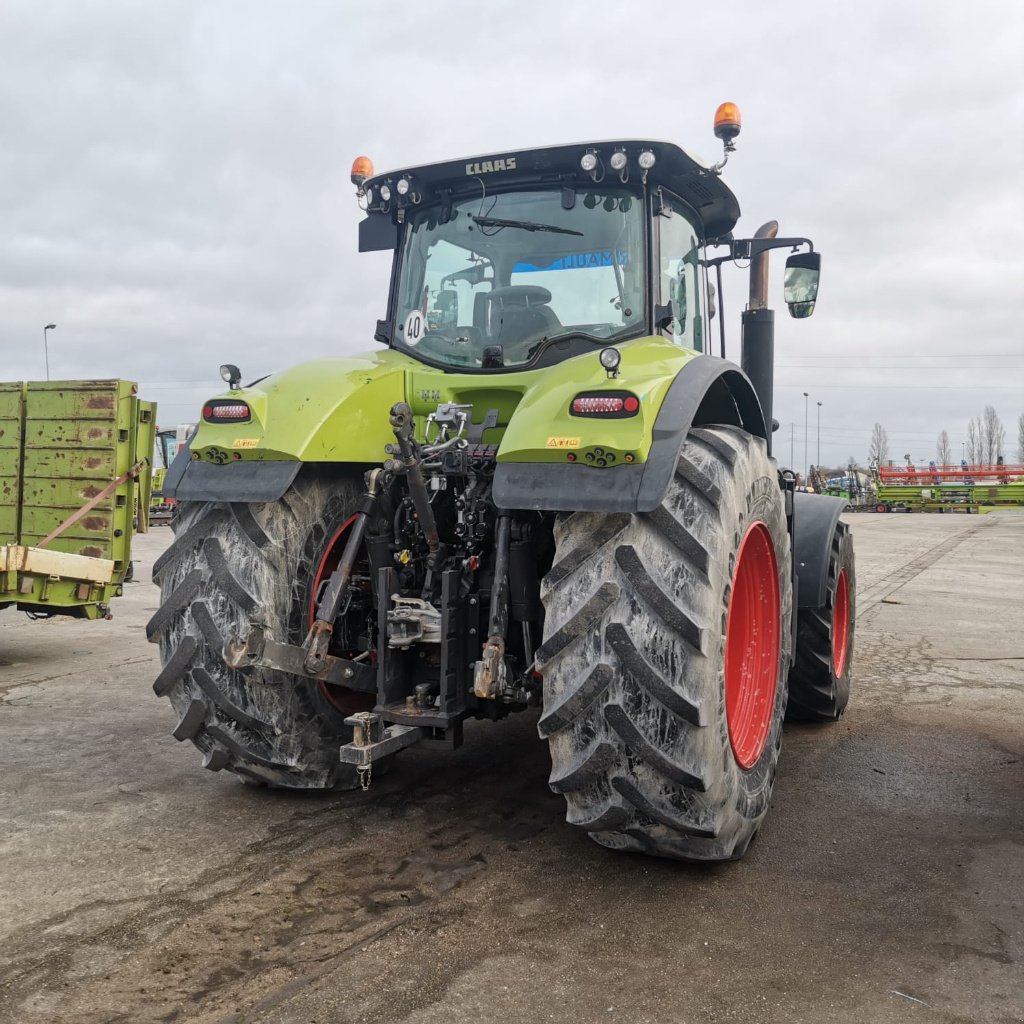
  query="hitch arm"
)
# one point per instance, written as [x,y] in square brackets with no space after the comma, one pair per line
[401,424]
[258,651]
[490,674]
[319,637]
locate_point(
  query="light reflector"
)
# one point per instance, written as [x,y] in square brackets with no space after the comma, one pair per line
[214,412]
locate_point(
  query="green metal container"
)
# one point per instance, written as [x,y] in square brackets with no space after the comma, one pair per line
[62,445]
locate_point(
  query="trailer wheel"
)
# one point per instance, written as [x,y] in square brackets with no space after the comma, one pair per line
[230,565]
[819,682]
[665,657]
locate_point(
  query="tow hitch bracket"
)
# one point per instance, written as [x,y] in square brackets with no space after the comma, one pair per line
[257,650]
[372,739]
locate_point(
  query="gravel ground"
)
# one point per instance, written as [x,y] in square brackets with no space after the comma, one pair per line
[886,885]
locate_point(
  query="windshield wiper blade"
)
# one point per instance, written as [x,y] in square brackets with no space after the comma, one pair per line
[526,225]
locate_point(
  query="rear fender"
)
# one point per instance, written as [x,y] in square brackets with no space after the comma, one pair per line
[814,522]
[237,481]
[330,411]
[705,391]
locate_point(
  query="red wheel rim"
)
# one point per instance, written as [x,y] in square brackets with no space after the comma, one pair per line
[753,646]
[840,624]
[346,701]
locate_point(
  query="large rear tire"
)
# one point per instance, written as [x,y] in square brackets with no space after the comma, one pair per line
[231,565]
[819,682]
[665,657]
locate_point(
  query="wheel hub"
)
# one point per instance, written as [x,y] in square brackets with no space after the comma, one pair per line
[753,646]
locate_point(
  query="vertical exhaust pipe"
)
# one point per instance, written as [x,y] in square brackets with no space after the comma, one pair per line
[757,357]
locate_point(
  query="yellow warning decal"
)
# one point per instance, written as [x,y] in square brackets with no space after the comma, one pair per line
[563,442]
[245,442]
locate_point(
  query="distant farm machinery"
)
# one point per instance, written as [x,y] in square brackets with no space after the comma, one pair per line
[949,488]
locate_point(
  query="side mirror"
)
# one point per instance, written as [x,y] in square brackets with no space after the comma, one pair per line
[801,284]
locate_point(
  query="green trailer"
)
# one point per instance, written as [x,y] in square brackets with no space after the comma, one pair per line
[75,480]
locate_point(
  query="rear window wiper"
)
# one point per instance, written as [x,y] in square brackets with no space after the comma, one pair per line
[526,225]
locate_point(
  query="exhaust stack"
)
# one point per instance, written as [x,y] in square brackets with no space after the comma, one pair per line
[757,357]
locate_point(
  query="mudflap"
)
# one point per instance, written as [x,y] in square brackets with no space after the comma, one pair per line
[814,522]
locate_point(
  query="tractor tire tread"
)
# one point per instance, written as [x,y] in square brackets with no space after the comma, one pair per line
[179,663]
[648,591]
[647,677]
[579,625]
[224,704]
[191,721]
[225,577]
[228,563]
[191,537]
[575,702]
[175,604]
[816,694]
[632,660]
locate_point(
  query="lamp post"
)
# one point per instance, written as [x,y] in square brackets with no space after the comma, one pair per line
[819,436]
[46,353]
[805,438]
[963,451]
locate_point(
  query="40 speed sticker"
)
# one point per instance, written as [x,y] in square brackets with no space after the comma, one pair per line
[563,442]
[414,327]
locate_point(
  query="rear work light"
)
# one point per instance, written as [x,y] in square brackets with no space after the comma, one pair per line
[226,412]
[605,404]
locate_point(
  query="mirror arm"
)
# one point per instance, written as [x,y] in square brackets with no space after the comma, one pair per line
[747,248]
[721,316]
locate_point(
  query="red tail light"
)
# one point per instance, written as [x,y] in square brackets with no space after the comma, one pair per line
[605,404]
[226,412]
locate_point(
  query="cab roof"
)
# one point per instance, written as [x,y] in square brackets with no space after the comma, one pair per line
[673,169]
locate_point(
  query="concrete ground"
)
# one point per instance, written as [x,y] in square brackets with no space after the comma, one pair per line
[886,885]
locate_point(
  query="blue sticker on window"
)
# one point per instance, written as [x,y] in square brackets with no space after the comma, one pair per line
[578,261]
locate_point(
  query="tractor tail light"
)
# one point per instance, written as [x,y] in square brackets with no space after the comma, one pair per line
[226,412]
[605,404]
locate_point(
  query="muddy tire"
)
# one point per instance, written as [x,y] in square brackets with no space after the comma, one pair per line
[657,743]
[819,682]
[230,565]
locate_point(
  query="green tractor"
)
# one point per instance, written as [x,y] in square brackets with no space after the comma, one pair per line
[542,490]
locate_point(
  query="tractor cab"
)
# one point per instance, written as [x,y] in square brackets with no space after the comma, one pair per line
[524,259]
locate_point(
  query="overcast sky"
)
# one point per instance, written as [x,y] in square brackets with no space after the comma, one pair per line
[174,185]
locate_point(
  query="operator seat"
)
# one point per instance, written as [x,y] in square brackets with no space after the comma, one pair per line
[517,317]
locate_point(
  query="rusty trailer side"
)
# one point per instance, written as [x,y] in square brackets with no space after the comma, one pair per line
[66,446]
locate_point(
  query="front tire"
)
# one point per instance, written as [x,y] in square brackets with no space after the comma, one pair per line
[653,621]
[819,682]
[231,565]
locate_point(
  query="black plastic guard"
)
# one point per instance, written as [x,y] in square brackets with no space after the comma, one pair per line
[706,390]
[814,522]
[236,481]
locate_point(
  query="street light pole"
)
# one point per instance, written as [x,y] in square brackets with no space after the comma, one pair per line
[819,435]
[805,438]
[46,352]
